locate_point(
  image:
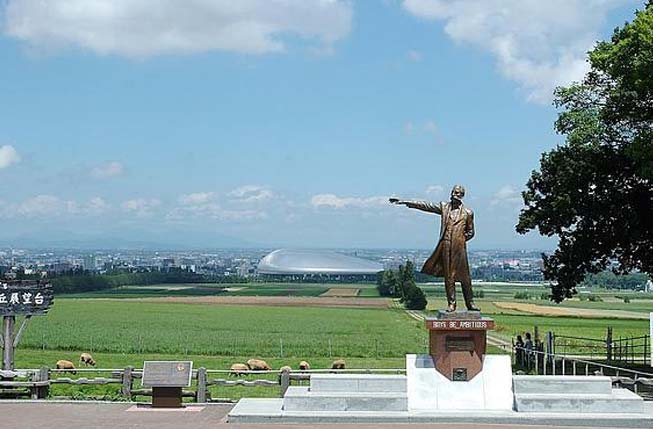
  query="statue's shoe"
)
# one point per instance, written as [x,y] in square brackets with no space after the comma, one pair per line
[472,307]
[451,308]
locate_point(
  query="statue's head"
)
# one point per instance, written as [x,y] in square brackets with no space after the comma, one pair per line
[458,192]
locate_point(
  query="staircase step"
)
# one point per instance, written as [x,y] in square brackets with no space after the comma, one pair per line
[572,384]
[358,383]
[618,401]
[303,399]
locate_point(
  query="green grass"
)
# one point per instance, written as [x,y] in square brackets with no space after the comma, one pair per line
[141,327]
[208,289]
[122,333]
[512,325]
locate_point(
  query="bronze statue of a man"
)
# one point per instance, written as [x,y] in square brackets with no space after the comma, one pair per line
[449,259]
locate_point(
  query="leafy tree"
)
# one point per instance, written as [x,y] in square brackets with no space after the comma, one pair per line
[595,192]
[415,298]
[405,279]
[387,286]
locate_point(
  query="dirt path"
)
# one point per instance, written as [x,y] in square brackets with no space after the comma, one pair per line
[590,313]
[275,301]
[343,292]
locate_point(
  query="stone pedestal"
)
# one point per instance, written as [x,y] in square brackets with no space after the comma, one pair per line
[457,343]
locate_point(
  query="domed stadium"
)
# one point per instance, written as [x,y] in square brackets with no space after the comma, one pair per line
[316,265]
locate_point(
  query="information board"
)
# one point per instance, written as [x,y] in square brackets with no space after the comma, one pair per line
[167,373]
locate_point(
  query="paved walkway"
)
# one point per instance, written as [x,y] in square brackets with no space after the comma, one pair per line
[91,415]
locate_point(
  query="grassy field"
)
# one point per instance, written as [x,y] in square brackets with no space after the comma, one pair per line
[226,289]
[121,333]
[139,327]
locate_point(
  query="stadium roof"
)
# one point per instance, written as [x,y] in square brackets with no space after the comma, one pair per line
[285,261]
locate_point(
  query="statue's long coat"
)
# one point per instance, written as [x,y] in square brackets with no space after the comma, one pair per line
[462,231]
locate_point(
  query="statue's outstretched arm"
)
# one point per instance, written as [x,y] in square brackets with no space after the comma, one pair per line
[419,205]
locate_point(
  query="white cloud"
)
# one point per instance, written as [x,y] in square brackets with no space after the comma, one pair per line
[142,28]
[251,193]
[108,170]
[49,206]
[435,189]
[141,207]
[214,211]
[414,56]
[538,44]
[430,128]
[8,156]
[97,205]
[197,198]
[333,201]
[507,196]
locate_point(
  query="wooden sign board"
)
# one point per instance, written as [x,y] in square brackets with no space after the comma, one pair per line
[459,325]
[25,297]
[167,373]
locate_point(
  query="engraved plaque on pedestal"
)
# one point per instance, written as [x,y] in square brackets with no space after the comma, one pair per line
[457,343]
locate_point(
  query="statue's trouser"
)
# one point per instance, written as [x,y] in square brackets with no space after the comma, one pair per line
[450,276]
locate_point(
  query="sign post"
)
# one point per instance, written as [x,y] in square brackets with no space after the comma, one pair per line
[20,297]
[166,378]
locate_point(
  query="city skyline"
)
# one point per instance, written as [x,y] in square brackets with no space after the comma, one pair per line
[279,124]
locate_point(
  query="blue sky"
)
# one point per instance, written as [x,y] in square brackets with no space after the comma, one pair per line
[279,123]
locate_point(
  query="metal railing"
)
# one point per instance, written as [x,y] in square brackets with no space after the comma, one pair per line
[545,363]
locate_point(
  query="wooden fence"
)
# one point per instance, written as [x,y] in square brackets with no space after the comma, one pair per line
[36,383]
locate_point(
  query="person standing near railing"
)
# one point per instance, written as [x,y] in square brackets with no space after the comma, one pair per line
[519,351]
[528,346]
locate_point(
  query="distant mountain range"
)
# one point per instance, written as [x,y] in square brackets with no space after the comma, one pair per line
[69,240]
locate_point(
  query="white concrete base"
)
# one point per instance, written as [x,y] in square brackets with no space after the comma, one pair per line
[573,394]
[259,410]
[428,390]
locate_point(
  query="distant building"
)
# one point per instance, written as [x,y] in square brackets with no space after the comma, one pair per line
[314,265]
[89,263]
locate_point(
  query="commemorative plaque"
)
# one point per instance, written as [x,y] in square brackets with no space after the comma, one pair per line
[457,343]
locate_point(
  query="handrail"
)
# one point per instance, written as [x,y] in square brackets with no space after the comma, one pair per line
[564,358]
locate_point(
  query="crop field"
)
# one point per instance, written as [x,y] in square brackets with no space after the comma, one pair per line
[143,327]
[224,289]
[216,325]
[552,310]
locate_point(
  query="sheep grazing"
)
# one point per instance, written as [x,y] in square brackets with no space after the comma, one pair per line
[304,366]
[238,369]
[86,359]
[67,365]
[258,365]
[338,364]
[285,368]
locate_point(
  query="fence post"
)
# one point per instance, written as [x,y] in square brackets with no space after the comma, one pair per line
[550,347]
[284,381]
[608,344]
[127,381]
[201,385]
[38,392]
